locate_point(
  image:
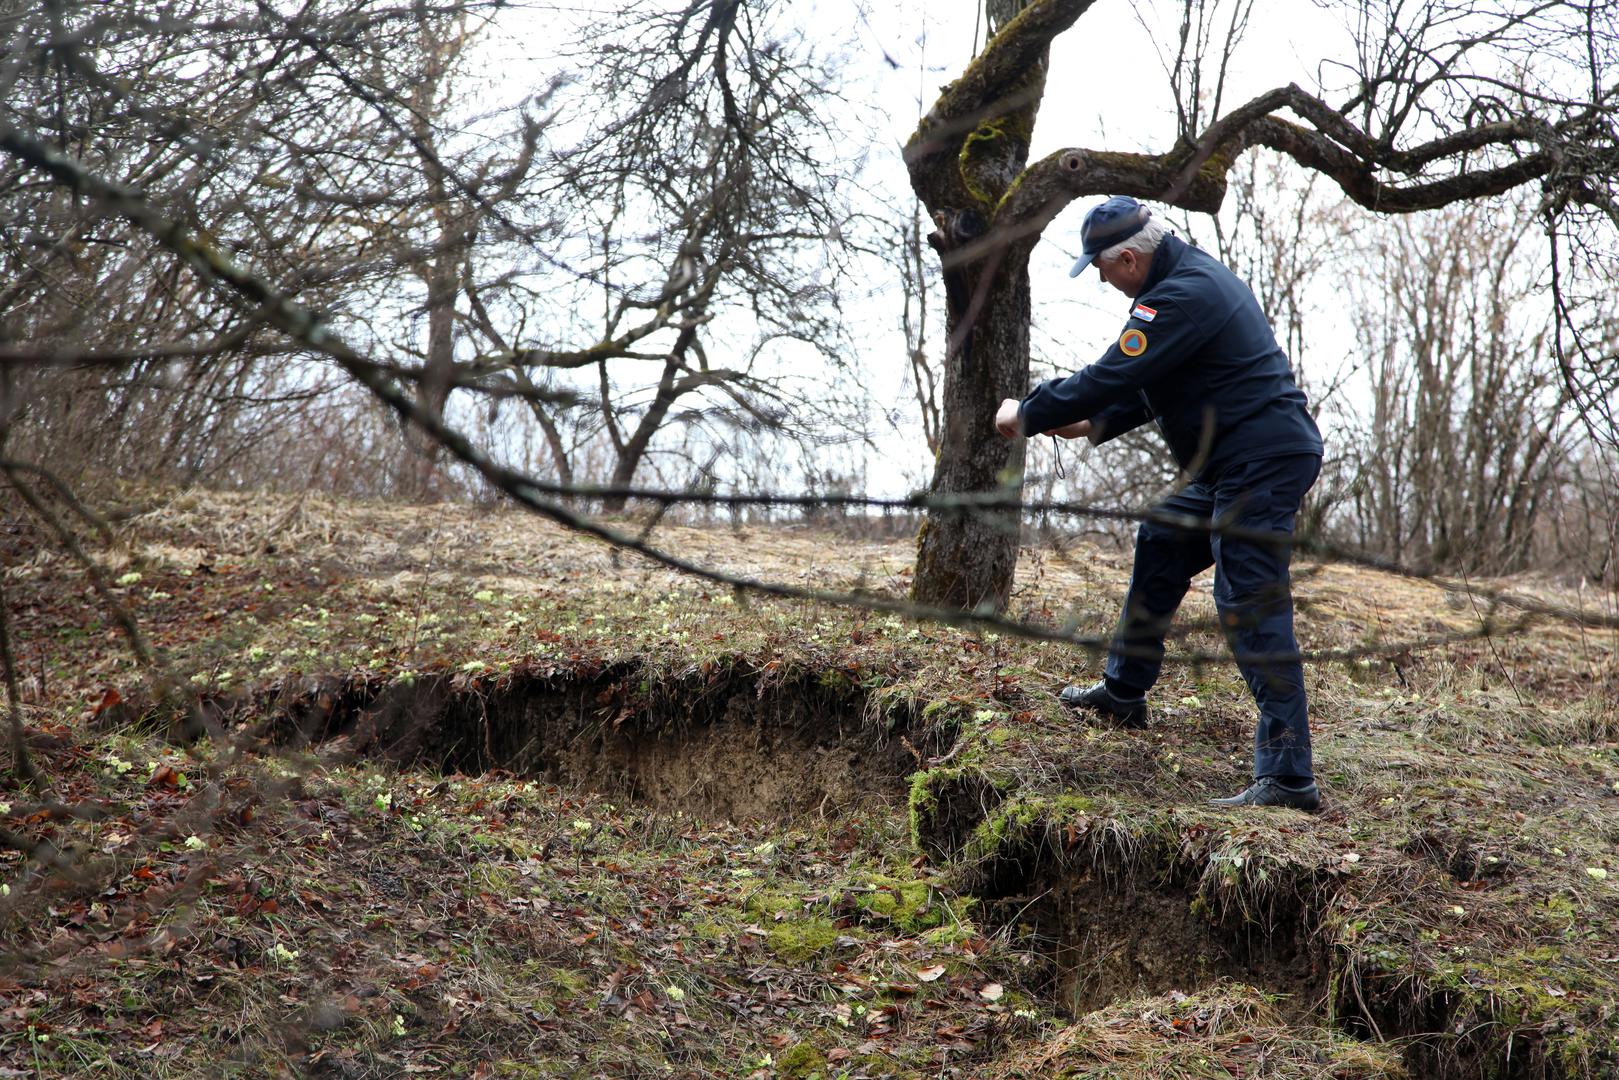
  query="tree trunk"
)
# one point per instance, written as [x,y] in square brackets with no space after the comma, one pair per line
[631,452]
[438,369]
[967,560]
[966,160]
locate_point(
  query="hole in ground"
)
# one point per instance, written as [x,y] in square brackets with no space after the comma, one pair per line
[742,746]
[738,747]
[1113,936]
[1116,938]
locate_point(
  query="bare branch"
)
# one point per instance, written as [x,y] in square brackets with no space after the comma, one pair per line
[21,762]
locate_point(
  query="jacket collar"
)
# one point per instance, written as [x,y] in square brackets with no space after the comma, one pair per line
[1165,259]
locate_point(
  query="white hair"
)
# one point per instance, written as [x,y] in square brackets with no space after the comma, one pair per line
[1144,242]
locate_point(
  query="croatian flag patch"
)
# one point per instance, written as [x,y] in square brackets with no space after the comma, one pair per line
[1144,313]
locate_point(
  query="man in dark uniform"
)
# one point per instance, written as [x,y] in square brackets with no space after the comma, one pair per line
[1198,356]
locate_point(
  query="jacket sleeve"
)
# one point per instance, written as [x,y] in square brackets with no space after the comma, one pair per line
[1158,348]
[1115,420]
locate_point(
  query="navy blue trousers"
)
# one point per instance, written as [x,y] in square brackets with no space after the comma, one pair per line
[1251,594]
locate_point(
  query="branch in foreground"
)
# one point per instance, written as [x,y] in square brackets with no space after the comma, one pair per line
[980,502]
[65,493]
[297,322]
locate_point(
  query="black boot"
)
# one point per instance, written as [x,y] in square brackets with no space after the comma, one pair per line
[1270,791]
[1129,712]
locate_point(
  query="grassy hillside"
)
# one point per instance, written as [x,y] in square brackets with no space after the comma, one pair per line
[483,799]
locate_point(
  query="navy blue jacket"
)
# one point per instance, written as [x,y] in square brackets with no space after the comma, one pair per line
[1197,355]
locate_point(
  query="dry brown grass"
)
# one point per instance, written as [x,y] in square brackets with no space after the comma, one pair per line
[1471,787]
[1226,1031]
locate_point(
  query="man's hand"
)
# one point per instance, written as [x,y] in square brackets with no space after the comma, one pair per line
[1007,420]
[1079,429]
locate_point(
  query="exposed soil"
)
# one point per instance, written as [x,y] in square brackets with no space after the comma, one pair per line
[741,749]
[738,748]
[744,749]
[1117,938]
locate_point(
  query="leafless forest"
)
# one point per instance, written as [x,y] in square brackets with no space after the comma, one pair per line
[225,225]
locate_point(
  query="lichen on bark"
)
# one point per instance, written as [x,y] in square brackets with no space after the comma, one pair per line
[988,160]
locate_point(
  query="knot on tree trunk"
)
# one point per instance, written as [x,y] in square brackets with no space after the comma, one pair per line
[1072,162]
[956,229]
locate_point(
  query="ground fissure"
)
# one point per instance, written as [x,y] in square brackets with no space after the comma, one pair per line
[744,747]
[735,747]
[1119,938]
[752,746]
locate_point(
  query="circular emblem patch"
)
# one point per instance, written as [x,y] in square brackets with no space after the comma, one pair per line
[1133,342]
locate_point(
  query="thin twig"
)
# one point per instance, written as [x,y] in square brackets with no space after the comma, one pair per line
[65,493]
[1489,639]
[21,762]
[298,322]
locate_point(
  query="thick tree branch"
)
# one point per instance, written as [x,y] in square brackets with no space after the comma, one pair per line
[996,84]
[1194,177]
[1000,69]
[1359,181]
[1231,132]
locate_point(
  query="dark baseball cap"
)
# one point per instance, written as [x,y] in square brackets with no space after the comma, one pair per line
[1118,219]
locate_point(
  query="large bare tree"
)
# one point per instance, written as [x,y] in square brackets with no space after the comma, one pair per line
[345,150]
[709,202]
[1442,103]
